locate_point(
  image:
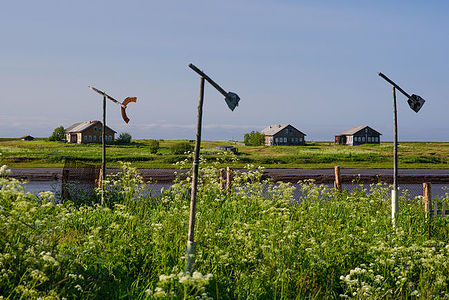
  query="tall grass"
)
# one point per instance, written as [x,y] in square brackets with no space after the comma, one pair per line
[255,243]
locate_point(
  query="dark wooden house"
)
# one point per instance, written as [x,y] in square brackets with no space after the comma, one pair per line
[358,135]
[88,132]
[283,135]
[27,138]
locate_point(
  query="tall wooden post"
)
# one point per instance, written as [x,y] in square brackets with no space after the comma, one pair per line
[427,193]
[228,180]
[64,181]
[337,178]
[103,154]
[394,192]
[191,245]
[221,179]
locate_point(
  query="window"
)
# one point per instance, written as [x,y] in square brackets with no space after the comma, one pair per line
[285,140]
[276,140]
[95,138]
[376,139]
[85,138]
[90,138]
[369,139]
[363,139]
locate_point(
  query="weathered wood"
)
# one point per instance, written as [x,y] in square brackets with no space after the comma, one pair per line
[221,179]
[427,198]
[228,180]
[103,153]
[191,246]
[65,179]
[213,83]
[337,178]
[394,84]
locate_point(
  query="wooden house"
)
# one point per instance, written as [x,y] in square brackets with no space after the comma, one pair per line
[88,132]
[357,136]
[27,138]
[283,135]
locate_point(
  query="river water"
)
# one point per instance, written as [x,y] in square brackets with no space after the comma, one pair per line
[412,190]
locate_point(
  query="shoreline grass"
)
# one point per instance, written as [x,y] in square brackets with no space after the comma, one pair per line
[38,154]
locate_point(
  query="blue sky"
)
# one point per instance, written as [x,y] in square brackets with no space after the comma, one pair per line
[312,64]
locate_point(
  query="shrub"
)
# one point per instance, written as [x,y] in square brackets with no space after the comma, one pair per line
[254,138]
[123,139]
[58,134]
[153,146]
[181,148]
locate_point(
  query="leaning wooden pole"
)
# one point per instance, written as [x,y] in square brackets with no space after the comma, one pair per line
[191,245]
[103,154]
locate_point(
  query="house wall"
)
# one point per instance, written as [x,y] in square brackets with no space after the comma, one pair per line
[288,136]
[93,135]
[366,136]
[90,135]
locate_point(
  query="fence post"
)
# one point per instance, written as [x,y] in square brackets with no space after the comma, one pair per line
[228,180]
[337,178]
[65,179]
[427,193]
[427,198]
[221,179]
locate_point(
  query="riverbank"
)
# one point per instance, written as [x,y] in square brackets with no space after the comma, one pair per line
[284,175]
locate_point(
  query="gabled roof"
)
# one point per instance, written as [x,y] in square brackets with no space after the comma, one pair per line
[273,129]
[82,126]
[356,129]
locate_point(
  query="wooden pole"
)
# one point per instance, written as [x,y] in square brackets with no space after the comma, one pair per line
[221,179]
[65,179]
[337,178]
[103,154]
[191,245]
[228,180]
[427,193]
[394,192]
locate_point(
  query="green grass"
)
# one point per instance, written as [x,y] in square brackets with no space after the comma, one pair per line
[16,153]
[249,245]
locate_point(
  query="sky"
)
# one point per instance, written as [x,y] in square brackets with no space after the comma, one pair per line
[311,64]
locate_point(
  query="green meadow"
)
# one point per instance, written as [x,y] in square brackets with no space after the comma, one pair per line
[41,153]
[255,242]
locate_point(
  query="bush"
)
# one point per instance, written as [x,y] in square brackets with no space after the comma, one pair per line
[123,139]
[58,134]
[254,138]
[181,148]
[154,146]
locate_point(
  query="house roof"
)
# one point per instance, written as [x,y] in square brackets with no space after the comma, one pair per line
[356,129]
[82,126]
[273,129]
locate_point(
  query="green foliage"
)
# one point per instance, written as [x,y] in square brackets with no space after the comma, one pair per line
[254,138]
[181,148]
[255,242]
[58,134]
[123,139]
[153,145]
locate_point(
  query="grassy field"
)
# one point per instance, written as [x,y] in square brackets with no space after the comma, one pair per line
[41,153]
[256,242]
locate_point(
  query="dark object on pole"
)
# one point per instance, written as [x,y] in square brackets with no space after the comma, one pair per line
[414,101]
[232,101]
